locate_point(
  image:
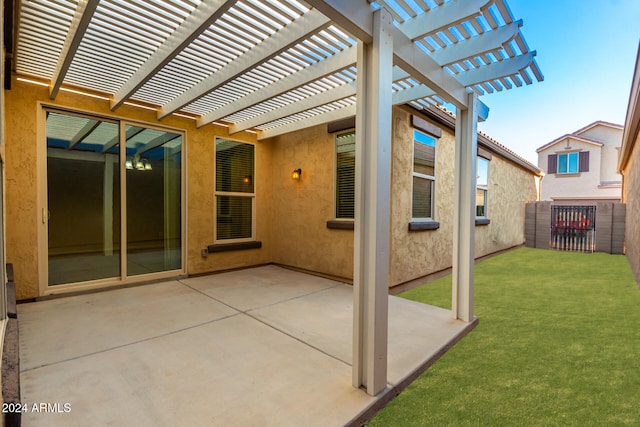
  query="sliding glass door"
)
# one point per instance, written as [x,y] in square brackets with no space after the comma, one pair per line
[102,174]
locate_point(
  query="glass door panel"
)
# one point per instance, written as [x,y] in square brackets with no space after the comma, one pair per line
[153,211]
[83,198]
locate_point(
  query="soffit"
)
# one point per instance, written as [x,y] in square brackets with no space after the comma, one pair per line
[269,65]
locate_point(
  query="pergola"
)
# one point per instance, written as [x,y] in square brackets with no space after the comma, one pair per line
[276,66]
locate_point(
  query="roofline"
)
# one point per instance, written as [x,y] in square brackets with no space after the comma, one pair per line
[569,135]
[449,120]
[632,121]
[596,123]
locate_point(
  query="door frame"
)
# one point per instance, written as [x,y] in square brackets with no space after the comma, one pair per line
[42,206]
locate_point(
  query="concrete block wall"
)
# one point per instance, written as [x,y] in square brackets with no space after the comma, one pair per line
[610,226]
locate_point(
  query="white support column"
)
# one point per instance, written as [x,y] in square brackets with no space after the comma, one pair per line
[372,209]
[464,214]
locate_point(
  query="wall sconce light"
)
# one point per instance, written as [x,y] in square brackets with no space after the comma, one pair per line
[296,174]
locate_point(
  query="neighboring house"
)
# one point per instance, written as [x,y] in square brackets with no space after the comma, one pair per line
[580,168]
[629,167]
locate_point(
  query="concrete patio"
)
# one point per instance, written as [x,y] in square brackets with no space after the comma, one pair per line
[260,346]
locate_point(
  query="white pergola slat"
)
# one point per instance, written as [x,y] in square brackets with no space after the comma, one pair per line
[277,66]
[298,30]
[203,17]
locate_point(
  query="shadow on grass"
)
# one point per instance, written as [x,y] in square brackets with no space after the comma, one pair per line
[557,344]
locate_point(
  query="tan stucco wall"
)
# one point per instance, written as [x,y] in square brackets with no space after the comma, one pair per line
[632,199]
[22,210]
[302,208]
[418,253]
[291,215]
[510,188]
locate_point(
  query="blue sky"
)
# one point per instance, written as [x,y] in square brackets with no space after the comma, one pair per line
[586,50]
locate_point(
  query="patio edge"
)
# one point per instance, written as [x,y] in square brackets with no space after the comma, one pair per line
[391,392]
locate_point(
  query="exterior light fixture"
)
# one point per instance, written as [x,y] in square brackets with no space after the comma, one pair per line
[296,174]
[246,179]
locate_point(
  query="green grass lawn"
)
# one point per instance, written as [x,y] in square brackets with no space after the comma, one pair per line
[558,344]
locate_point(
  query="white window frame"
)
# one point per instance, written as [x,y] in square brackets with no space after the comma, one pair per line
[483,188]
[568,156]
[234,194]
[426,177]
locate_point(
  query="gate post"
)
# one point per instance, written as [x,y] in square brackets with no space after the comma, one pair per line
[604,220]
[543,225]
[530,224]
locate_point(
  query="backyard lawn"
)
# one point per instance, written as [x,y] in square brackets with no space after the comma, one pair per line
[558,344]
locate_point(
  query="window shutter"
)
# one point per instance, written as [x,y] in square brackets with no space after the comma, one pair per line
[552,166]
[584,161]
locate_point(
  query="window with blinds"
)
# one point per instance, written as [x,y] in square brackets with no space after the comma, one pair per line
[345,174]
[482,187]
[424,176]
[235,190]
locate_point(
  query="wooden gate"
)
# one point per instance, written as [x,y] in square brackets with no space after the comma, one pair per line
[573,228]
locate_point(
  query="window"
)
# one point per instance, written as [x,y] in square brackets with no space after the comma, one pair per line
[424,176]
[235,191]
[566,163]
[482,187]
[345,174]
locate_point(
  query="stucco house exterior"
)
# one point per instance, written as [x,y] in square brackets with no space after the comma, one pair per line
[157,140]
[581,167]
[629,167]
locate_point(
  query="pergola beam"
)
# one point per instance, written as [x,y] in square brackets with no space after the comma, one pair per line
[478,45]
[496,70]
[81,19]
[329,116]
[86,130]
[289,36]
[356,17]
[194,25]
[313,101]
[399,97]
[327,97]
[307,75]
[442,17]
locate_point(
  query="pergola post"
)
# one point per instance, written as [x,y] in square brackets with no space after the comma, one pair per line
[464,210]
[372,207]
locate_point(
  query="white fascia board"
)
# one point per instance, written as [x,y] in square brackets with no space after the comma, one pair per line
[330,116]
[442,17]
[495,70]
[326,97]
[307,75]
[297,31]
[81,19]
[194,25]
[478,45]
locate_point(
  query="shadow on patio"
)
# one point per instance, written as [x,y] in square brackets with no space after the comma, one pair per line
[260,346]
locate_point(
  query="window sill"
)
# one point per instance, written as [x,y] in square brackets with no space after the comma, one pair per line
[340,224]
[568,175]
[224,247]
[483,221]
[423,225]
